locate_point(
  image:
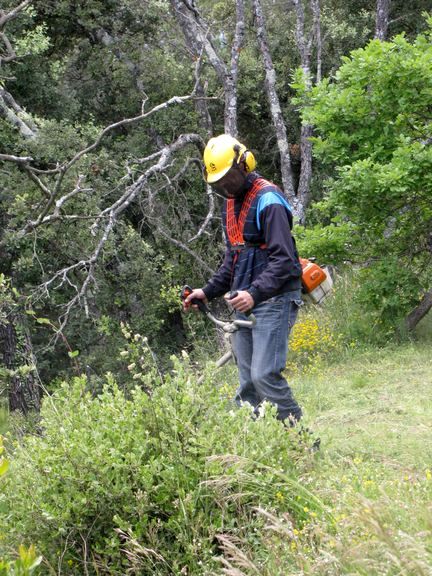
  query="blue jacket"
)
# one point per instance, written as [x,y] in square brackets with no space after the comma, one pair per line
[263,272]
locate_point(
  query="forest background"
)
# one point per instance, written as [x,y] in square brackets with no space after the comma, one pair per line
[105,108]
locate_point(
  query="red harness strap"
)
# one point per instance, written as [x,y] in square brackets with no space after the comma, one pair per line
[235,227]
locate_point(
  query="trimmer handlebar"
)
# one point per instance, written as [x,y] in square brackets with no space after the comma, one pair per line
[186,291]
[226,325]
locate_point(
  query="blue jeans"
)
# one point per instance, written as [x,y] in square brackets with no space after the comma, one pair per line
[261,355]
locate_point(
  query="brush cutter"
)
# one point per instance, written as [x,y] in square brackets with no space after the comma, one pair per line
[228,326]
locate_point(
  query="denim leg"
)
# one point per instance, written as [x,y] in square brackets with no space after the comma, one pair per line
[261,362]
[243,343]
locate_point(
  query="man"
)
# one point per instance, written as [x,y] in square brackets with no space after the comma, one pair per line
[261,267]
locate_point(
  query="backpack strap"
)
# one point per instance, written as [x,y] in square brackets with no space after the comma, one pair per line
[235,227]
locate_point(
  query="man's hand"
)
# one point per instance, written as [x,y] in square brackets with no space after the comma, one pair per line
[196,293]
[242,302]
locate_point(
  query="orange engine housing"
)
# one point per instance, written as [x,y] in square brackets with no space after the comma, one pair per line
[312,275]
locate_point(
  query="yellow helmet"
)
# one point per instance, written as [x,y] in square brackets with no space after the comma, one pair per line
[220,154]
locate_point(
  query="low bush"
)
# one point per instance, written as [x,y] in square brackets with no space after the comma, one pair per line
[146,480]
[25,565]
[312,340]
[348,319]
[27,560]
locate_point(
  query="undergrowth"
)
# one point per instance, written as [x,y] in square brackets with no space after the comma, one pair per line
[150,479]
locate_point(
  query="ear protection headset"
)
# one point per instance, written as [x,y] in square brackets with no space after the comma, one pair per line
[246,156]
[221,153]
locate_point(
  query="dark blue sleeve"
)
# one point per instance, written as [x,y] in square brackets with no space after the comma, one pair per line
[283,264]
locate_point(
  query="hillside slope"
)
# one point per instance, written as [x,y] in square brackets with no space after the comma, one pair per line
[374,416]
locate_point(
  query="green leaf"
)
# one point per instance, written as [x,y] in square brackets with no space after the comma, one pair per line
[73,354]
[4,465]
[43,320]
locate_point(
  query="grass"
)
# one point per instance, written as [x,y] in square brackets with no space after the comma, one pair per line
[4,417]
[374,416]
[373,413]
[376,405]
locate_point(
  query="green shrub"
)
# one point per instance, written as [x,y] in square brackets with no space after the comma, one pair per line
[24,565]
[354,317]
[27,561]
[4,417]
[371,124]
[144,483]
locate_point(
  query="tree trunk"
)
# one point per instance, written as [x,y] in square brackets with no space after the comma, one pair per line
[24,391]
[304,45]
[316,9]
[275,108]
[198,39]
[382,19]
[231,78]
[420,311]
[303,191]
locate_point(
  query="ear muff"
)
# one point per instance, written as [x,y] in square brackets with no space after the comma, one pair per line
[246,156]
[249,160]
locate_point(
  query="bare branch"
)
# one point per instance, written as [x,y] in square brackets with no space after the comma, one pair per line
[6,16]
[208,218]
[9,109]
[186,248]
[90,275]
[9,54]
[15,115]
[52,195]
[46,191]
[57,201]
[20,160]
[126,122]
[43,219]
[112,214]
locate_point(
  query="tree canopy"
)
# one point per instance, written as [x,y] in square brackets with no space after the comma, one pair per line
[373,123]
[104,111]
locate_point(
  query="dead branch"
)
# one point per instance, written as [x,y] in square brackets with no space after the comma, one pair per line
[9,109]
[186,248]
[111,216]
[208,218]
[20,160]
[5,17]
[9,54]
[51,183]
[15,115]
[198,37]
[63,169]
